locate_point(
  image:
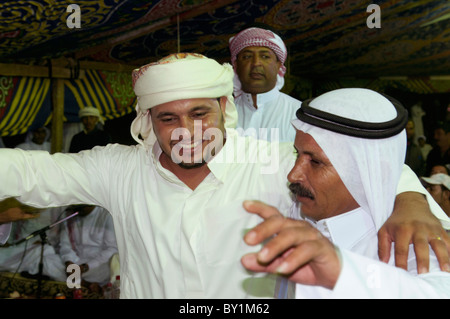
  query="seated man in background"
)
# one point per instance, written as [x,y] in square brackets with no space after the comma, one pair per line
[350,147]
[92,135]
[89,240]
[22,254]
[37,139]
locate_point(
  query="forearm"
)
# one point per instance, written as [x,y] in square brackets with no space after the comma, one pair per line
[43,180]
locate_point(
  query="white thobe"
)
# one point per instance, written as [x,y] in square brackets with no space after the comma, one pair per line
[31,146]
[275,111]
[173,242]
[90,239]
[363,275]
[5,230]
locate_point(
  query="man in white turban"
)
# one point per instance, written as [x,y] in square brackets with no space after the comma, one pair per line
[258,56]
[350,145]
[176,202]
[91,135]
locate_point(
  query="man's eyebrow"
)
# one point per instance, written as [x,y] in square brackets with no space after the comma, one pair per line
[162,114]
[194,109]
[200,108]
[310,153]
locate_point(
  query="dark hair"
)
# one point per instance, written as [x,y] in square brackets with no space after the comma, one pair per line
[444,125]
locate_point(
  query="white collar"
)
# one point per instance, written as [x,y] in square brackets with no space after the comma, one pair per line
[346,229]
[261,98]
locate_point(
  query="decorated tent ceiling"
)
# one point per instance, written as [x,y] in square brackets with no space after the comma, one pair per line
[325,38]
[331,43]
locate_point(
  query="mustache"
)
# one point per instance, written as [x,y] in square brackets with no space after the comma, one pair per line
[300,190]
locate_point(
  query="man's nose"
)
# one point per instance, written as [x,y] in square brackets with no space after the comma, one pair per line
[256,60]
[190,124]
[298,172]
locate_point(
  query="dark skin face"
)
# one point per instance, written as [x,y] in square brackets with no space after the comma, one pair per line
[316,183]
[89,123]
[189,133]
[39,136]
[257,68]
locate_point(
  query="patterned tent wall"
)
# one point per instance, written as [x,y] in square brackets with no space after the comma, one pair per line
[303,88]
[25,102]
[24,105]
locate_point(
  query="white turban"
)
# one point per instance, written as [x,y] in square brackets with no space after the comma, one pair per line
[370,167]
[257,37]
[176,77]
[90,111]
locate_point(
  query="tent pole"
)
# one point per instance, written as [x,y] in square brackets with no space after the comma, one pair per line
[57,115]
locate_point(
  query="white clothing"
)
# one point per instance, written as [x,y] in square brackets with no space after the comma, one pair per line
[5,230]
[425,149]
[14,256]
[31,146]
[363,275]
[173,242]
[90,239]
[372,179]
[275,111]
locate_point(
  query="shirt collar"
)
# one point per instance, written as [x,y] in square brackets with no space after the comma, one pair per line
[261,98]
[346,229]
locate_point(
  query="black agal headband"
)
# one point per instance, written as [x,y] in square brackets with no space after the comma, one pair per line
[351,127]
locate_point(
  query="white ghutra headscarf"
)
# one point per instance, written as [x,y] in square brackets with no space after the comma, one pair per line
[176,77]
[369,152]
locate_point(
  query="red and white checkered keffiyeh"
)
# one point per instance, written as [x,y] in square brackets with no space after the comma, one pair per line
[257,37]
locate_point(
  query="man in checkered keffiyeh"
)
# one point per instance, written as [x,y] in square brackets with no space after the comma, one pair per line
[258,58]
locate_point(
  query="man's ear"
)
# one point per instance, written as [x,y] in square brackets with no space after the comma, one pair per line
[223,104]
[446,193]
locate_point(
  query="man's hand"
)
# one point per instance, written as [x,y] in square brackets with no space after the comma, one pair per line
[293,248]
[15,214]
[413,222]
[12,210]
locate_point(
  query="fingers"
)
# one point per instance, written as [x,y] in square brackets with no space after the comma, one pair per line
[384,245]
[402,240]
[440,246]
[263,210]
[422,251]
[250,262]
[290,236]
[273,222]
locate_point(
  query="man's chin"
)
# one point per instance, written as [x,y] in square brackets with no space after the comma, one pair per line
[191,165]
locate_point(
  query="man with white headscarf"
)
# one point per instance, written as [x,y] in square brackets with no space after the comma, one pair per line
[91,135]
[37,139]
[345,186]
[178,225]
[258,58]
[178,216]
